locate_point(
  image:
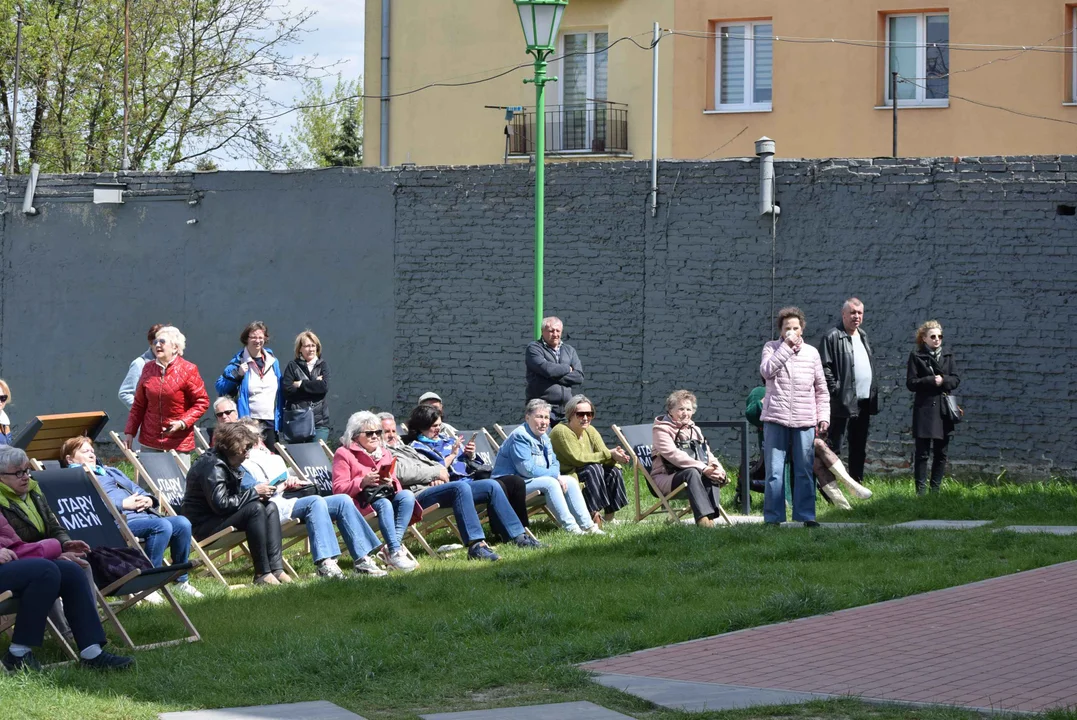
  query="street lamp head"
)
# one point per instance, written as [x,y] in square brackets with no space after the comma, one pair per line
[540,20]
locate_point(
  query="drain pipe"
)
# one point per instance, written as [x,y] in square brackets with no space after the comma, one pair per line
[383,140]
[764,149]
[31,188]
[654,121]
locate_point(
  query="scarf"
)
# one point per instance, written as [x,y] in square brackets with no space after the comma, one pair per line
[936,354]
[9,497]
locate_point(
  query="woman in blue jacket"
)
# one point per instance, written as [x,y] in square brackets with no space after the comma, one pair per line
[252,378]
[527,453]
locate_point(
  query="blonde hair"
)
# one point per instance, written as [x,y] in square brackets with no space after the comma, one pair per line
[922,331]
[307,335]
[6,389]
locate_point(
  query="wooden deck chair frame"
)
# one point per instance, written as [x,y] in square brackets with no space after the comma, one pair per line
[9,606]
[371,519]
[535,501]
[200,440]
[129,584]
[663,498]
[209,550]
[501,431]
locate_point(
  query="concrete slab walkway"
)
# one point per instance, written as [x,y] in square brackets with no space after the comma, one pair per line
[316,710]
[1000,644]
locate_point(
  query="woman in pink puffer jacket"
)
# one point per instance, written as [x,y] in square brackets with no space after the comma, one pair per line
[797,403]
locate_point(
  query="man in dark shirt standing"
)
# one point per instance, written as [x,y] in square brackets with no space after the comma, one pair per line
[554,371]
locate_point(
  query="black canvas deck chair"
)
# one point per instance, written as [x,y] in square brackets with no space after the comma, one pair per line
[201,439]
[87,514]
[314,461]
[486,450]
[504,431]
[636,440]
[164,476]
[9,606]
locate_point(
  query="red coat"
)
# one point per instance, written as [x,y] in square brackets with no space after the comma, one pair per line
[163,395]
[351,463]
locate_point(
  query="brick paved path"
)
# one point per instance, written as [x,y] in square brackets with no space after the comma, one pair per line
[1007,643]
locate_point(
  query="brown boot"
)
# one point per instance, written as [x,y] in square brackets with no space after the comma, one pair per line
[705,522]
[284,578]
[267,579]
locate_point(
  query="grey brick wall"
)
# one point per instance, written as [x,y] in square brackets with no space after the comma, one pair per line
[421,279]
[684,299]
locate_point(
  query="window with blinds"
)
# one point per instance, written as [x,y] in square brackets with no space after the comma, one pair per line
[744,58]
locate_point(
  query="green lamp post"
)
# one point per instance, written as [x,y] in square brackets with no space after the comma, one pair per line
[540,20]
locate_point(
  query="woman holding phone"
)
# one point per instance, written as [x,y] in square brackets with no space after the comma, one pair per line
[365,470]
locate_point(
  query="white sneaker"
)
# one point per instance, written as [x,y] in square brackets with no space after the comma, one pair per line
[329,568]
[187,589]
[154,598]
[575,530]
[366,566]
[595,530]
[402,562]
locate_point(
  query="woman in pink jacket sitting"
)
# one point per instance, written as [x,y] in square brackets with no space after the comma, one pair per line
[681,456]
[796,405]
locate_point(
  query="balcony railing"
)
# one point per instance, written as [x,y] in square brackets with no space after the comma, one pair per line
[598,127]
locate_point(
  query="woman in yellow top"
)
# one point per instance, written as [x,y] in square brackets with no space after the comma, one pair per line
[583,455]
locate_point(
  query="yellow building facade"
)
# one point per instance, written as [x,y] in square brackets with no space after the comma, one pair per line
[976,77]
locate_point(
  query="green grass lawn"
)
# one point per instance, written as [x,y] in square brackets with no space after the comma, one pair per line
[457,635]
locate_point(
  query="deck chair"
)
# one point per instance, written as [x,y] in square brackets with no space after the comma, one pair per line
[504,430]
[201,440]
[164,475]
[9,606]
[84,510]
[636,440]
[314,461]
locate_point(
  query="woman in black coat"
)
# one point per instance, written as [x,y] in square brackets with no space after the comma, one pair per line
[306,384]
[930,373]
[214,501]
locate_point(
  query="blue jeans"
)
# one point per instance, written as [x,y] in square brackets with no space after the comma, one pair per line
[778,442]
[457,494]
[159,533]
[569,507]
[394,516]
[319,513]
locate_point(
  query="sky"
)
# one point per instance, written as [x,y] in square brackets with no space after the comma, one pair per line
[335,36]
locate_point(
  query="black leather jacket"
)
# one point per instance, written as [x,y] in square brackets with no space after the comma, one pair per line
[213,491]
[836,353]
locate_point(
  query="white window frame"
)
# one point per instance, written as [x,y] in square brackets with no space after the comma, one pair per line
[749,68]
[589,105]
[921,63]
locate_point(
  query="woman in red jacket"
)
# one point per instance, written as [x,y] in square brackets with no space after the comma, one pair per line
[170,398]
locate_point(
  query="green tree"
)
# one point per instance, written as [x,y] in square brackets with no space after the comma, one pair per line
[326,120]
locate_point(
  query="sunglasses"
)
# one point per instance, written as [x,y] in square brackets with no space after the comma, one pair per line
[580,414]
[372,433]
[935,337]
[159,341]
[3,398]
[225,413]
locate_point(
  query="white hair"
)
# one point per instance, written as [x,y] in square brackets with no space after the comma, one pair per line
[174,336]
[221,401]
[357,423]
[533,406]
[551,321]
[12,457]
[386,416]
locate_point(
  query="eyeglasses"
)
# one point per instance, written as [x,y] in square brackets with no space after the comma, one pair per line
[159,341]
[3,398]
[225,413]
[372,433]
[582,414]
[24,473]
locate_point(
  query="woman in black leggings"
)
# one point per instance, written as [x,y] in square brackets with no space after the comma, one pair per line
[214,501]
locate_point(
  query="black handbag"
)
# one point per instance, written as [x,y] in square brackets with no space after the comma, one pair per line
[951,408]
[110,564]
[297,425]
[370,493]
[698,450]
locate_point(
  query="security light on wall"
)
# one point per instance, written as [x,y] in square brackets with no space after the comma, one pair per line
[108,194]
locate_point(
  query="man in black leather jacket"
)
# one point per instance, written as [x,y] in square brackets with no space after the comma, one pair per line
[849,368]
[554,371]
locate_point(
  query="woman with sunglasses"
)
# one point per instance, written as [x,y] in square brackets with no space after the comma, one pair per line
[169,400]
[364,469]
[5,423]
[930,373]
[584,456]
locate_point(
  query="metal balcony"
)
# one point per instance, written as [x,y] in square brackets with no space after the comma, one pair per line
[596,128]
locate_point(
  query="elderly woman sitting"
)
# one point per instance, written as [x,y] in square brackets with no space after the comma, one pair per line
[527,453]
[139,509]
[38,575]
[682,457]
[364,469]
[298,499]
[215,500]
[583,455]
